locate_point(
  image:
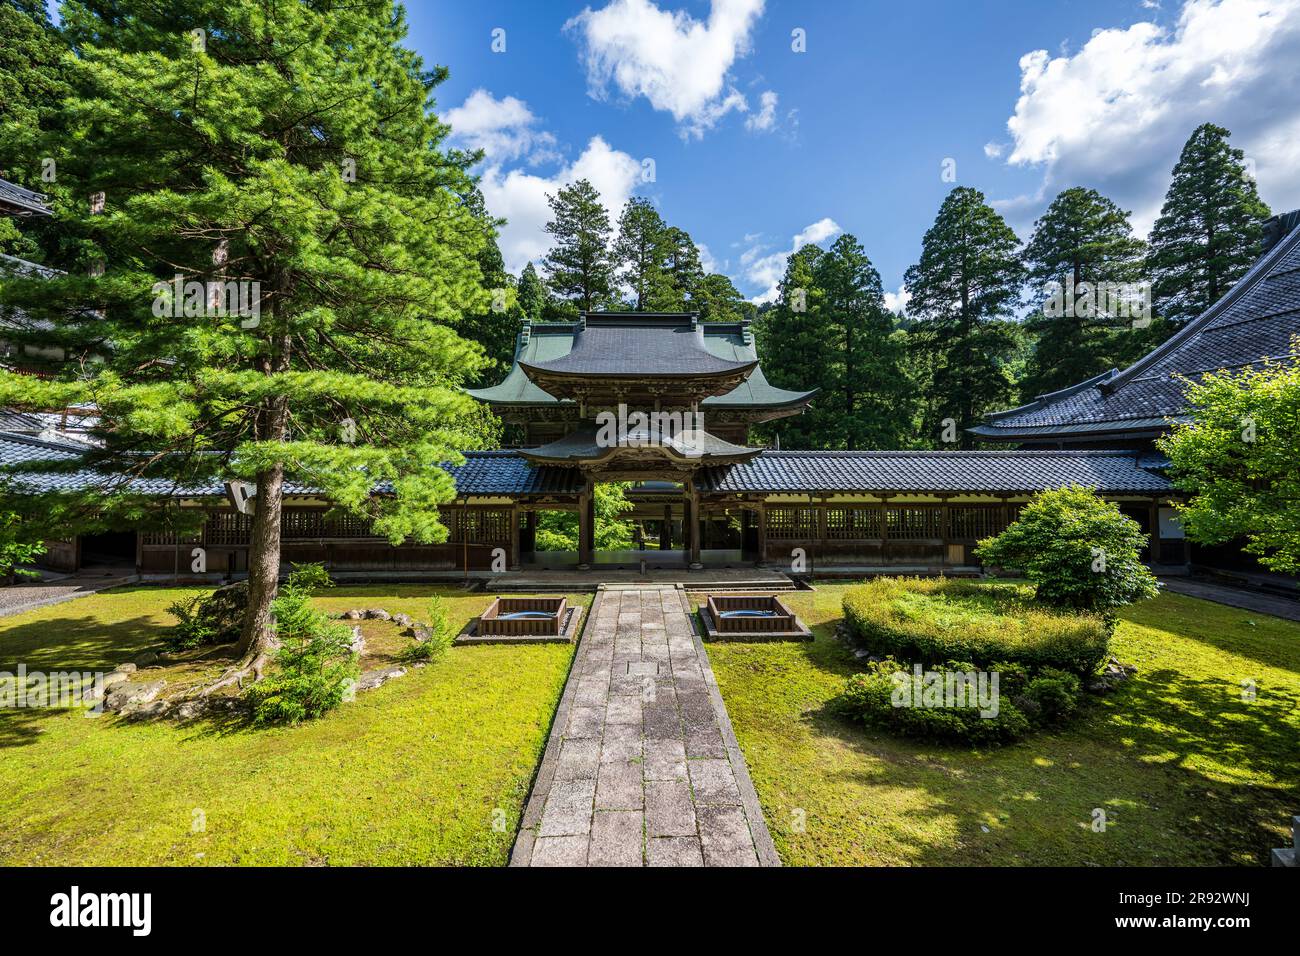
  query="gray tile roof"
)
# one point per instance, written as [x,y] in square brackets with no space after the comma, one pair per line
[732,343]
[1255,320]
[507,473]
[582,445]
[629,346]
[924,472]
[16,200]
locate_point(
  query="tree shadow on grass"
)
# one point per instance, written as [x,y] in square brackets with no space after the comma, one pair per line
[1162,741]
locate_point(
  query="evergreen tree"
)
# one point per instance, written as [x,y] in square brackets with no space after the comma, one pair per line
[964,289]
[867,382]
[1082,238]
[640,252]
[841,342]
[717,299]
[531,294]
[33,83]
[292,148]
[682,263]
[1209,229]
[580,266]
[497,327]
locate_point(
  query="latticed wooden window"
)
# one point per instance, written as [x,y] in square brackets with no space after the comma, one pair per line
[169,538]
[848,523]
[346,525]
[481,526]
[914,523]
[792,523]
[227,528]
[302,523]
[975,522]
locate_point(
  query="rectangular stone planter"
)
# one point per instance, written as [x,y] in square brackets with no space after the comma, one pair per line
[778,623]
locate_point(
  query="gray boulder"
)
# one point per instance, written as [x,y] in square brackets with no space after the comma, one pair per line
[125,695]
[372,679]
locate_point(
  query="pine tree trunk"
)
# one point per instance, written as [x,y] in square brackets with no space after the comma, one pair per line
[263,565]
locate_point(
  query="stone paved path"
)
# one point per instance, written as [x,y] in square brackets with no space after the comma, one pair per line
[17,598]
[642,766]
[1259,601]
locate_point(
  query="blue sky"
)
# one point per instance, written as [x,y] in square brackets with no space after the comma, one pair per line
[754,144]
[865,118]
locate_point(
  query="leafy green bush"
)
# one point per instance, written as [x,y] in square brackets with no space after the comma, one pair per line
[1078,550]
[16,548]
[439,640]
[315,666]
[932,620]
[1023,703]
[215,618]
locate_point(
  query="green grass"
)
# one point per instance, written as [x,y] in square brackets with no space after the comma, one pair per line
[415,772]
[1186,771]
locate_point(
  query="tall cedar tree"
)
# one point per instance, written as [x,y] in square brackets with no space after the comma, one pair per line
[717,299]
[841,343]
[580,266]
[1209,229]
[247,141]
[33,82]
[497,327]
[794,347]
[963,290]
[641,251]
[1083,237]
[531,294]
[684,271]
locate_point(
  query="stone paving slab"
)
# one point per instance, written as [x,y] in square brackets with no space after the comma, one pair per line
[642,767]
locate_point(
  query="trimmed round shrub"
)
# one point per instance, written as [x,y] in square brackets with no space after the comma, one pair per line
[932,620]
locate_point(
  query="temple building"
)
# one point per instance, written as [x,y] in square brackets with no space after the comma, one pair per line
[665,404]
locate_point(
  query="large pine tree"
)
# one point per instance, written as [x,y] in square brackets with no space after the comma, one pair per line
[964,291]
[290,147]
[580,265]
[831,330]
[531,294]
[1209,229]
[1082,238]
[640,252]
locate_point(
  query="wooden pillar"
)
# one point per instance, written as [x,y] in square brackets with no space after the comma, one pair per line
[762,533]
[514,537]
[691,526]
[586,527]
[945,532]
[666,530]
[1153,549]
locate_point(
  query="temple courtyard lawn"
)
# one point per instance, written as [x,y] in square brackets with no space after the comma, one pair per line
[431,768]
[1185,768]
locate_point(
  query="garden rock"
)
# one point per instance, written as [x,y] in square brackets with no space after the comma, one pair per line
[372,679]
[115,678]
[354,615]
[421,632]
[133,693]
[128,668]
[404,620]
[378,614]
[358,642]
[146,659]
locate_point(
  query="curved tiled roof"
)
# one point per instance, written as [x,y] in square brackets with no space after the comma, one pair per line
[583,445]
[22,202]
[544,345]
[1255,320]
[928,472]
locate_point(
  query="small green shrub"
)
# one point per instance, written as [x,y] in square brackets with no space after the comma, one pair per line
[315,666]
[215,618]
[932,620]
[877,698]
[870,697]
[438,641]
[1078,550]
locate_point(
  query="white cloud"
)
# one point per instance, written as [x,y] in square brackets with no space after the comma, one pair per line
[1115,114]
[994,150]
[897,301]
[765,269]
[520,197]
[505,129]
[678,63]
[765,118]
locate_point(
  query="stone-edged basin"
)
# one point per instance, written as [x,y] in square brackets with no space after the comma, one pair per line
[751,617]
[523,620]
